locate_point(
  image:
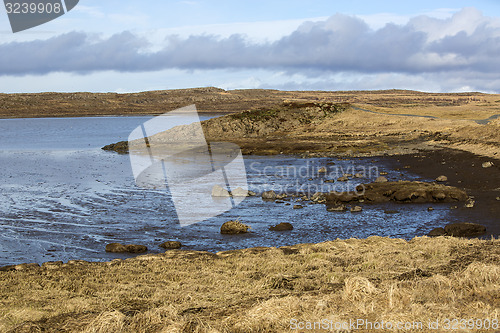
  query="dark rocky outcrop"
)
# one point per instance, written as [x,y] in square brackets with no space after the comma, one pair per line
[459,230]
[464,229]
[130,248]
[402,191]
[119,147]
[437,232]
[284,226]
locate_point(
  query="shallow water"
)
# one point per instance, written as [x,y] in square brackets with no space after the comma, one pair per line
[64,198]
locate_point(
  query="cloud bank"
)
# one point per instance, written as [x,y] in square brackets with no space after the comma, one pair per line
[466,44]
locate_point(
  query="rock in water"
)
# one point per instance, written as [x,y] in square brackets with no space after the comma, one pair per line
[381,179]
[116,248]
[436,232]
[234,227]
[442,179]
[464,229]
[239,192]
[298,206]
[284,226]
[339,208]
[120,248]
[269,195]
[219,191]
[171,245]
[322,170]
[119,147]
[133,248]
[356,209]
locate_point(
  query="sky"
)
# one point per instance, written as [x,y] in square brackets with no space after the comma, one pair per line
[130,46]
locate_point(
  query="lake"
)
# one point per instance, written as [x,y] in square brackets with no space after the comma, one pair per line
[63,198]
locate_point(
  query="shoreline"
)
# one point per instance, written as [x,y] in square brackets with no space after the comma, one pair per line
[429,164]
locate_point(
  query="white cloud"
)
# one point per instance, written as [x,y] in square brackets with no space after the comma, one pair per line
[461,50]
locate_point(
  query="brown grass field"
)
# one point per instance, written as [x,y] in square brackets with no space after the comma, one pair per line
[264,289]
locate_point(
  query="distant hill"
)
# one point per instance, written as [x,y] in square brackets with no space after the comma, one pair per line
[218,100]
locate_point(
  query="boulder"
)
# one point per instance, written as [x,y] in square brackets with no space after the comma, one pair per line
[298,206]
[130,248]
[133,248]
[359,175]
[322,170]
[381,179]
[339,208]
[487,164]
[470,203]
[464,229]
[442,179]
[437,232]
[239,192]
[234,227]
[171,245]
[343,179]
[116,248]
[356,209]
[284,226]
[219,191]
[269,195]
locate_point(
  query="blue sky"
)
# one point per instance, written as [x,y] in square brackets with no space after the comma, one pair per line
[125,46]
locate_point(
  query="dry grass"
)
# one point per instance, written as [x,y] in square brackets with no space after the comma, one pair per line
[260,289]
